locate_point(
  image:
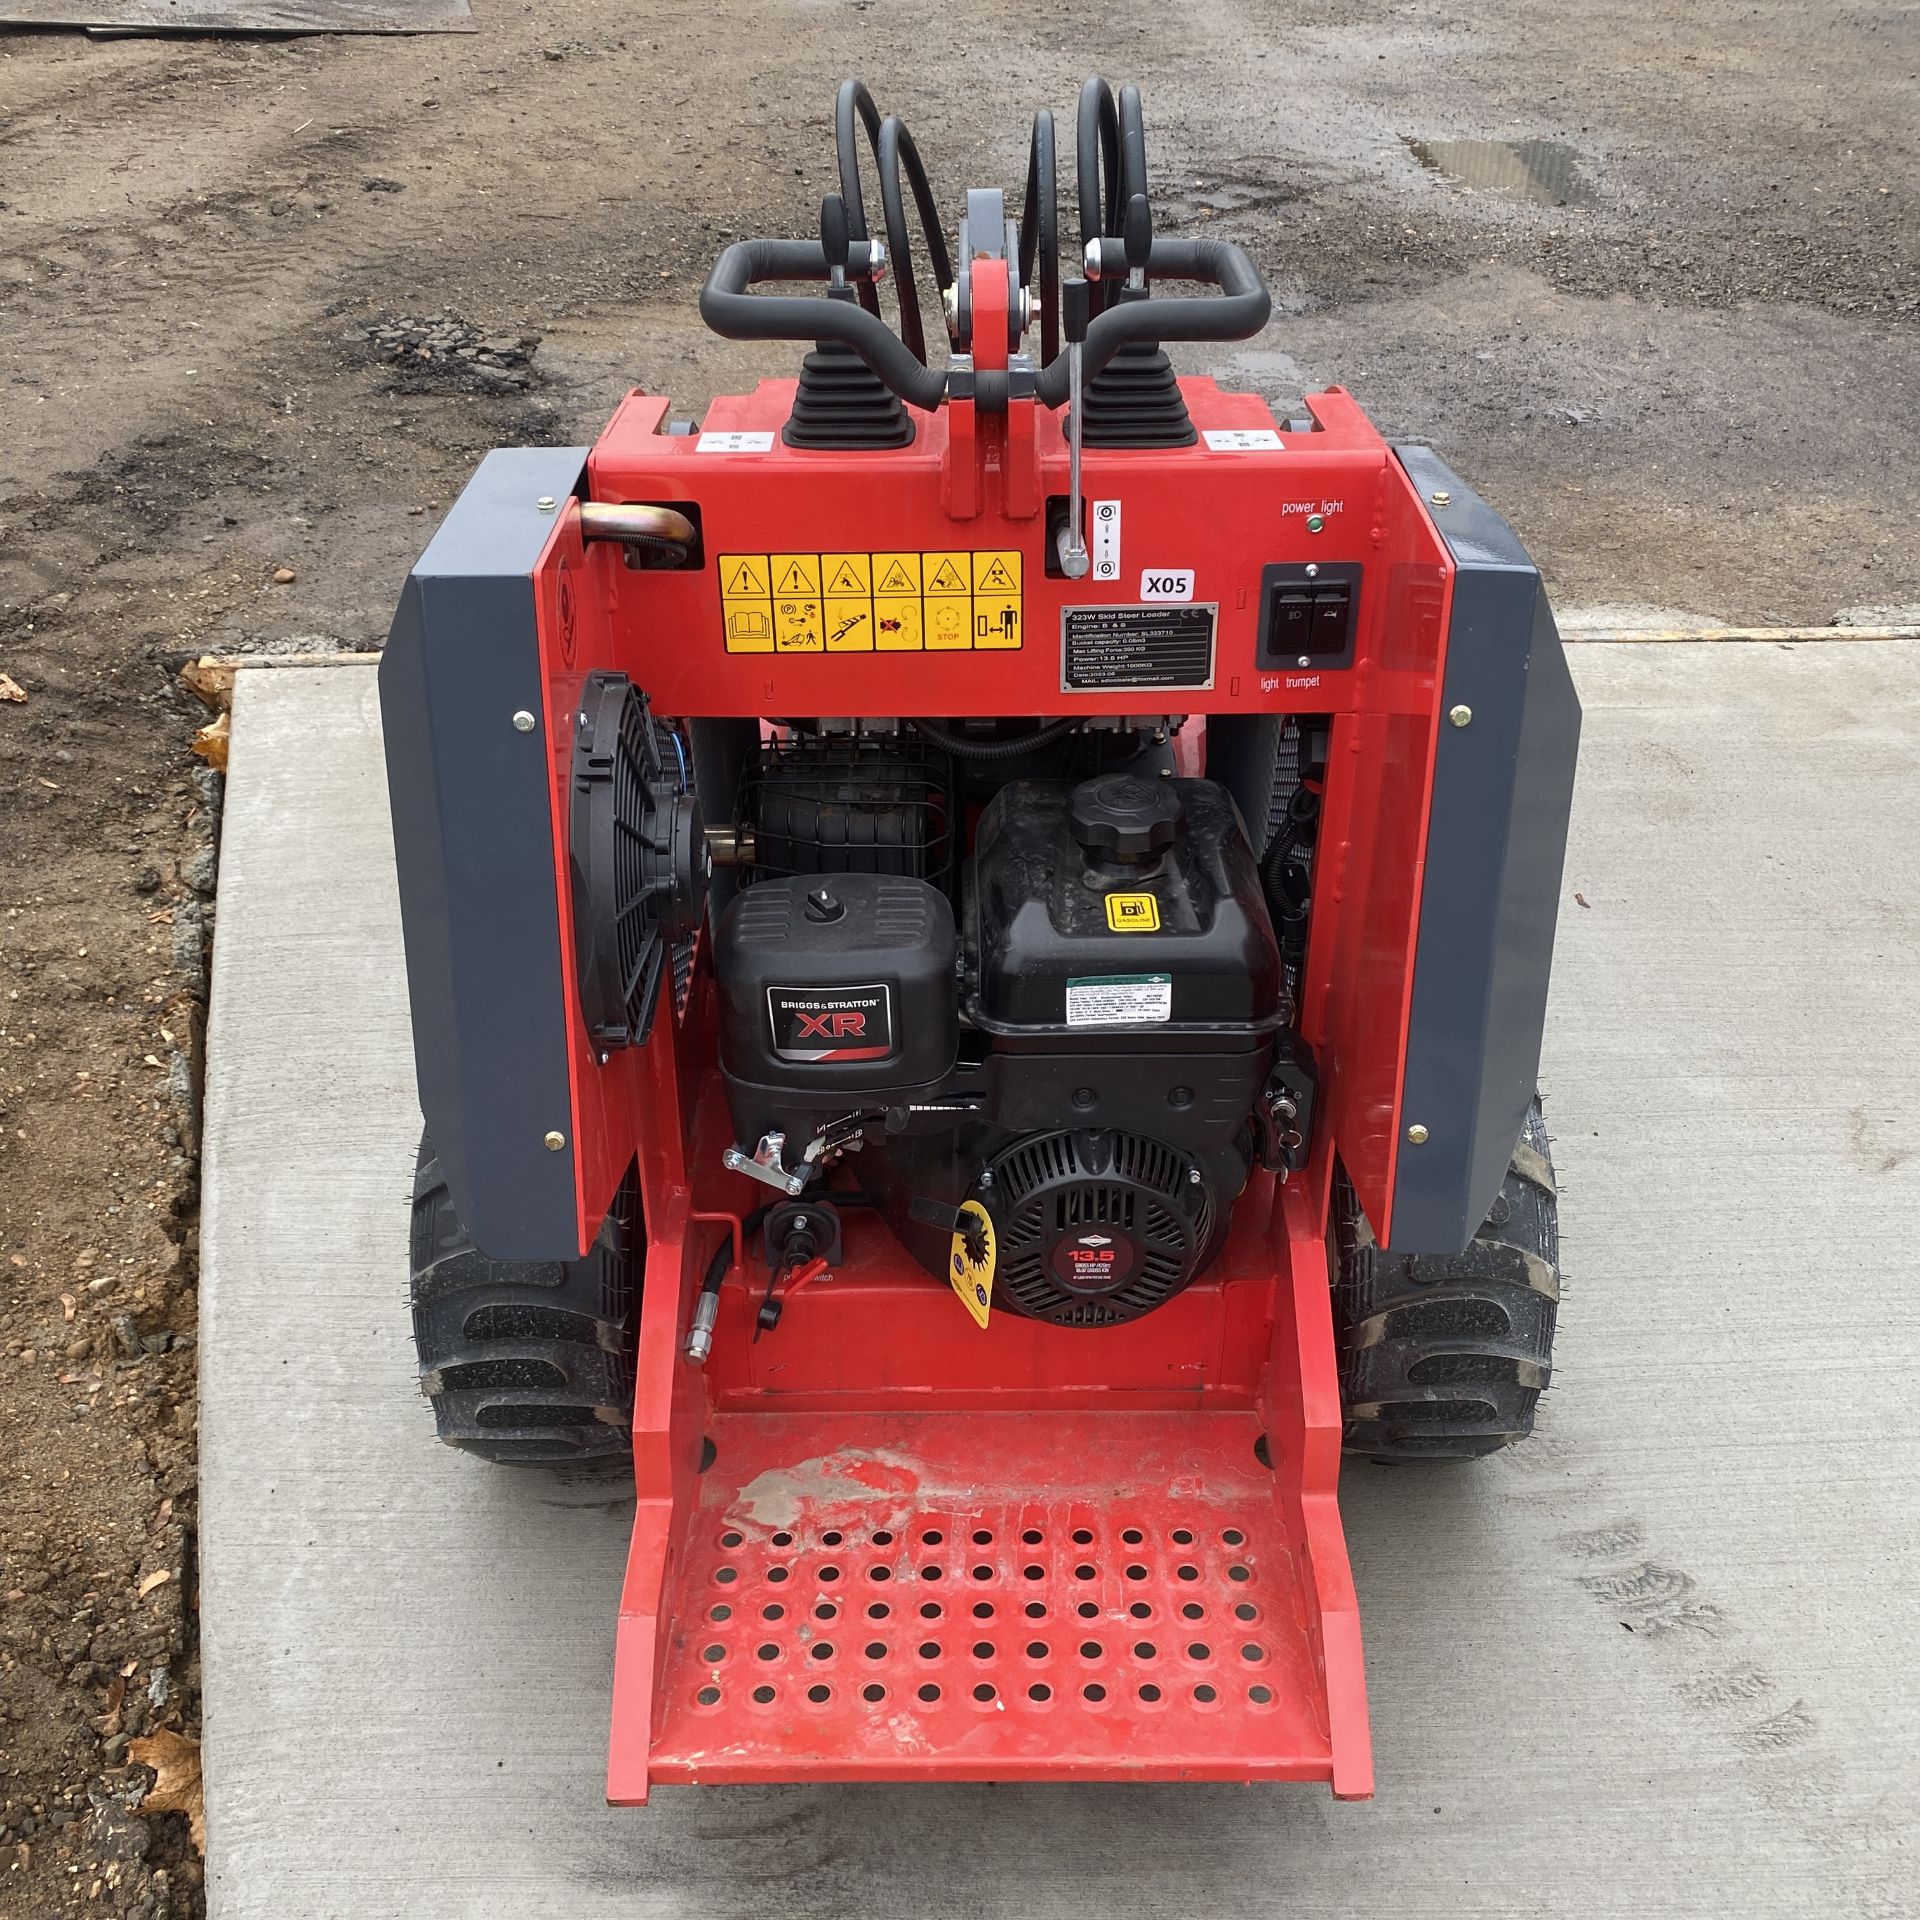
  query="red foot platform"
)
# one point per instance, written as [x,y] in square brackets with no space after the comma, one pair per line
[989,1597]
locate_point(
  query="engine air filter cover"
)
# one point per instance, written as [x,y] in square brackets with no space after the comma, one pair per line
[1096,1228]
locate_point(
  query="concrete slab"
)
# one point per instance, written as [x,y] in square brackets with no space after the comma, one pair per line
[1654,1662]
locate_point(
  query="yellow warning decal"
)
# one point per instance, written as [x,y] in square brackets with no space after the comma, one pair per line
[871,602]
[970,1270]
[1133,913]
[745,575]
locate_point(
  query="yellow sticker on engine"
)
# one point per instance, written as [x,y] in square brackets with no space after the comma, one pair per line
[1133,913]
[970,1270]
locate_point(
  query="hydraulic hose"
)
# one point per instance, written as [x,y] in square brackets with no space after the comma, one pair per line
[1133,149]
[896,149]
[1097,141]
[962,748]
[853,98]
[1040,232]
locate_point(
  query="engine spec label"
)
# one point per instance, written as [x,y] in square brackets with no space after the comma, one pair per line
[1120,1000]
[1092,1262]
[818,1024]
[870,602]
[1107,648]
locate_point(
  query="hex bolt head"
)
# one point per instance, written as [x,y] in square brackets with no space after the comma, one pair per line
[1441,498]
[546,503]
[1417,1135]
[1461,716]
[555,1141]
[523,721]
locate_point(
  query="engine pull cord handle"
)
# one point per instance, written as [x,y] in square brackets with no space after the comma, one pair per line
[1075,311]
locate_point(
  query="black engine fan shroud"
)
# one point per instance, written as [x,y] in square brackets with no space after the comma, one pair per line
[1096,1227]
[638,856]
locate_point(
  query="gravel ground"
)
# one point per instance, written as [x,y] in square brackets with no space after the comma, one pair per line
[266,302]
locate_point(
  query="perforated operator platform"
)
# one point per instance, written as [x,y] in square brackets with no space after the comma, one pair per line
[999,1596]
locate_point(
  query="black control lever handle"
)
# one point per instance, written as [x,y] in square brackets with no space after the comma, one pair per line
[1136,228]
[1241,311]
[836,236]
[734,313]
[1076,309]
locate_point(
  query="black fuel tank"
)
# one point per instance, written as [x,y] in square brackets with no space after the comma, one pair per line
[1120,904]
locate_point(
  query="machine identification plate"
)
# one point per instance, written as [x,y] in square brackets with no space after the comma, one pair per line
[1104,649]
[871,602]
[1120,999]
[831,1024]
[970,1268]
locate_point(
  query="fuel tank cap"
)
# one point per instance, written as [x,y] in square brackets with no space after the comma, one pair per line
[1120,816]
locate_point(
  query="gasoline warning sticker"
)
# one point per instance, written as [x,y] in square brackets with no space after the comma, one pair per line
[1133,913]
[1120,1000]
[970,1267]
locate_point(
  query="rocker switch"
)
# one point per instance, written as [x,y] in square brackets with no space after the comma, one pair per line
[1292,623]
[1332,613]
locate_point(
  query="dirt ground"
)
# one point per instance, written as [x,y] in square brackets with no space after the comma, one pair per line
[263,304]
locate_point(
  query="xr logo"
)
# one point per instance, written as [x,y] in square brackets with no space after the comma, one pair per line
[834,1025]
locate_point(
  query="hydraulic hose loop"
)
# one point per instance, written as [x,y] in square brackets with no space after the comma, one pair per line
[853,98]
[1097,140]
[1040,232]
[1133,153]
[896,149]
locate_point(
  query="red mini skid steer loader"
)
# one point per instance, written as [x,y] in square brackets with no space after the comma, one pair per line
[978,936]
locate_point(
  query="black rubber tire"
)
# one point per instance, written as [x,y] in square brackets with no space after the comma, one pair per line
[527,1363]
[1444,1356]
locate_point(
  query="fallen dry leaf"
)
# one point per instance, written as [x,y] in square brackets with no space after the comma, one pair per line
[175,1761]
[153,1580]
[210,743]
[1581,900]
[11,689]
[210,681]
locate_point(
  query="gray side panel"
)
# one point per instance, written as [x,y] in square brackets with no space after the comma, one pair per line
[474,845]
[1496,843]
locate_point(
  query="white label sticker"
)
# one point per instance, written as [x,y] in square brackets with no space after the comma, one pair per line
[1167,583]
[1119,999]
[1243,440]
[1106,539]
[735,443]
